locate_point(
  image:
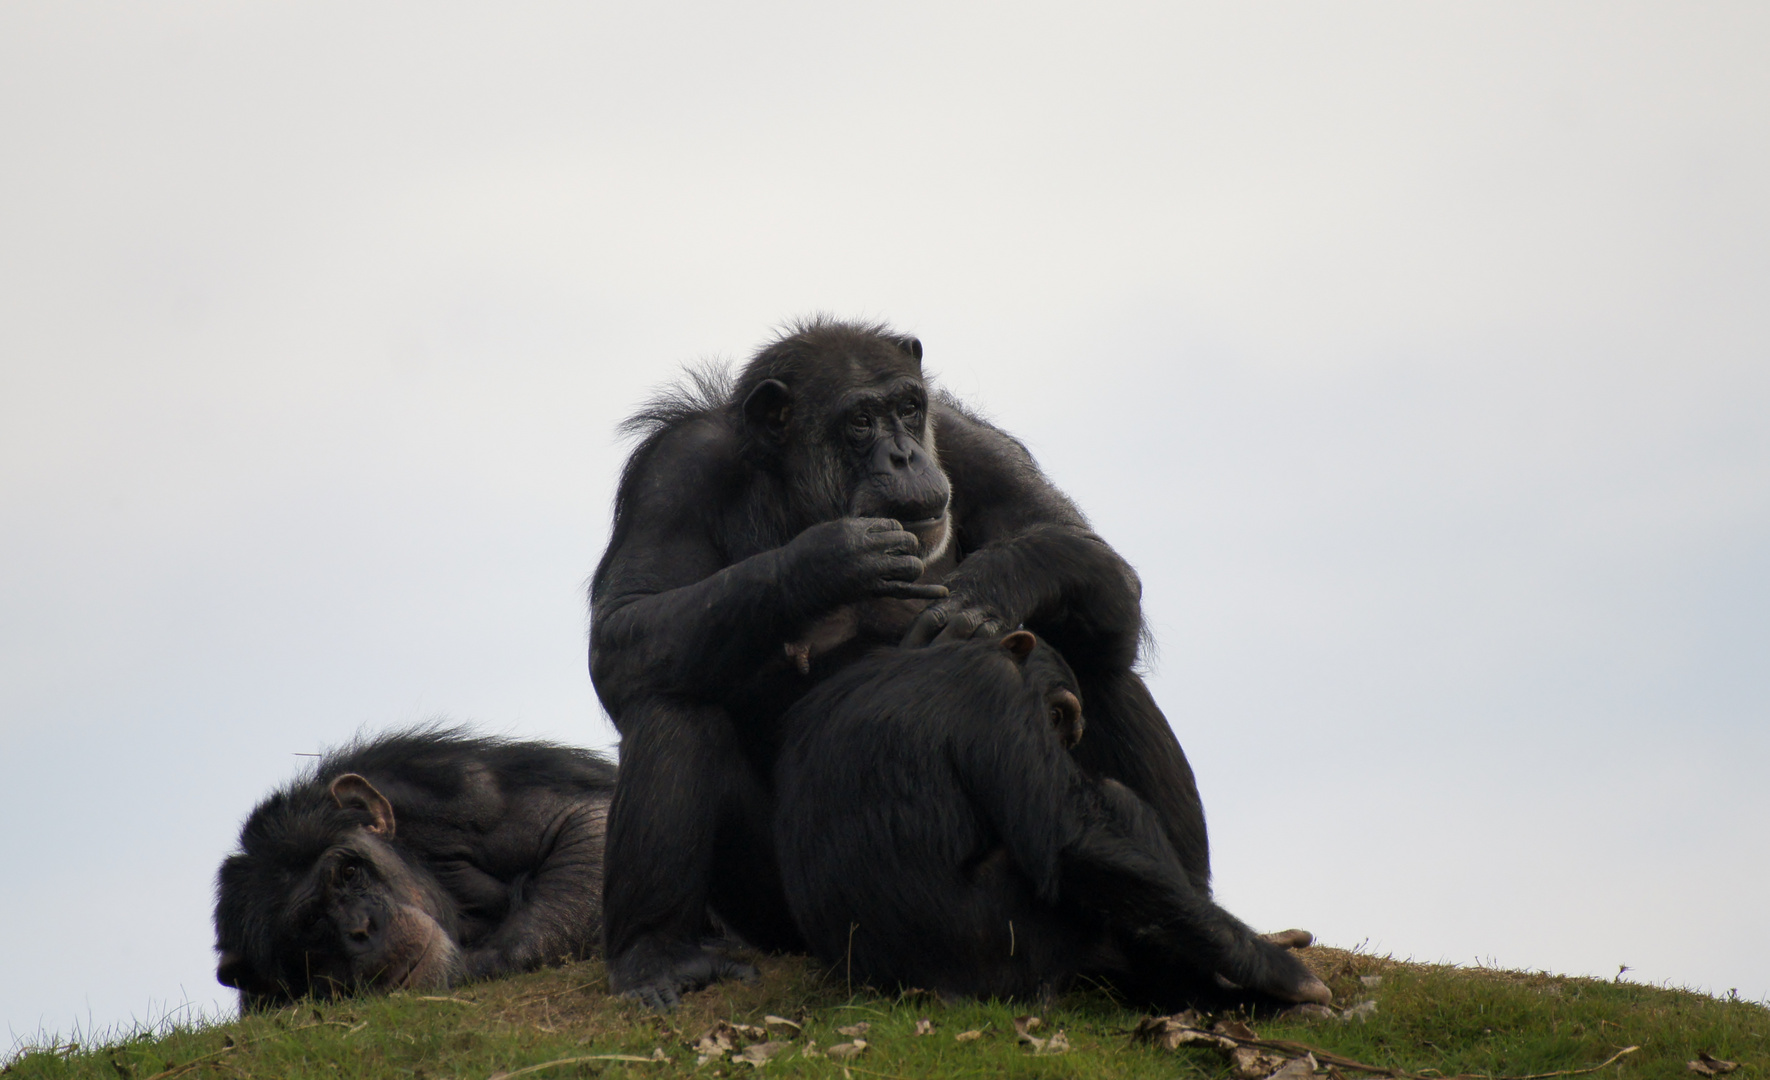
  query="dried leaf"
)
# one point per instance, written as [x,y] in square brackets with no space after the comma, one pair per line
[811,1049]
[1056,1044]
[924,1026]
[847,1050]
[1309,1010]
[780,1021]
[1247,1063]
[1296,1069]
[1706,1064]
[853,1030]
[1361,1012]
[760,1053]
[1235,1029]
[968,1036]
[1372,981]
[1173,1032]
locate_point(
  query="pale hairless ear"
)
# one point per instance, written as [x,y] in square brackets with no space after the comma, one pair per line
[232,970]
[352,792]
[1020,643]
[768,407]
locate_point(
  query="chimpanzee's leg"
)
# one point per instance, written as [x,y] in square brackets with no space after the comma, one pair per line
[680,768]
[1123,867]
[1130,741]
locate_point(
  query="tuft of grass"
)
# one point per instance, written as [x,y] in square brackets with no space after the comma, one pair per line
[1428,1019]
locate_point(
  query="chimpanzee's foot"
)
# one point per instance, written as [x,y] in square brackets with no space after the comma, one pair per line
[657,972]
[1269,969]
[1290,939]
[1288,980]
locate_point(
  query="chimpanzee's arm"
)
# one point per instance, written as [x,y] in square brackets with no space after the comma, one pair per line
[1121,865]
[671,615]
[1027,556]
[555,906]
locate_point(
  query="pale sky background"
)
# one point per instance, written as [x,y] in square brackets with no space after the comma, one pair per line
[1417,355]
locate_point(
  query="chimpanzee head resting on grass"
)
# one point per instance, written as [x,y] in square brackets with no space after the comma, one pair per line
[348,911]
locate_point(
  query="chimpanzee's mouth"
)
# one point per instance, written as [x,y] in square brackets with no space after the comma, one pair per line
[924,525]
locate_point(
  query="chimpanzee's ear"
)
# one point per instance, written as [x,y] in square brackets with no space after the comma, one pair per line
[768,407]
[352,792]
[1020,645]
[912,346]
[232,970]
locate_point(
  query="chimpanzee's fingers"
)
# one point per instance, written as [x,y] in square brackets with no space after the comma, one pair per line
[894,542]
[926,626]
[910,590]
[899,567]
[963,625]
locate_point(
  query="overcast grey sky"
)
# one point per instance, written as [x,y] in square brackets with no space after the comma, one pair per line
[1417,355]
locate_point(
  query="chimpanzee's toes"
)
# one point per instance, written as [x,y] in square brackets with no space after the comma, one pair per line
[1312,990]
[727,968]
[655,998]
[1290,939]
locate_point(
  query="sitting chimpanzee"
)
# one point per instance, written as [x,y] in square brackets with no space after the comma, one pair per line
[768,529]
[415,859]
[933,831]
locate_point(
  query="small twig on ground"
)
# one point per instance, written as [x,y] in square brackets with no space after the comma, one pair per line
[527,1069]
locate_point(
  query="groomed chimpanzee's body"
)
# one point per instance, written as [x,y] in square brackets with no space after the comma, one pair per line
[415,859]
[934,831]
[768,529]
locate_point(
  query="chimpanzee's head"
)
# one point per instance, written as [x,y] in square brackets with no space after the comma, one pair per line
[1045,671]
[840,411]
[320,901]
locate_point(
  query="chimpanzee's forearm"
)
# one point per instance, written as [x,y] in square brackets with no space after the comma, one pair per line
[556,912]
[1122,867]
[1064,583]
[696,640]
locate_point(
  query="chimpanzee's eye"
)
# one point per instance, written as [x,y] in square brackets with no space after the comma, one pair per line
[907,410]
[860,423]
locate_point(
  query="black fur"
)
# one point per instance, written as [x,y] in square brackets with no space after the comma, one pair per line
[757,548]
[488,862]
[934,832]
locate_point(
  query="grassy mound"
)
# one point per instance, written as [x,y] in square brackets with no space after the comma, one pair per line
[1413,1019]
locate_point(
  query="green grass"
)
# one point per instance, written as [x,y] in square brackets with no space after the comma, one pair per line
[1452,1020]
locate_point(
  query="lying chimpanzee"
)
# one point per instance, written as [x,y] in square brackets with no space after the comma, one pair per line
[415,859]
[934,831]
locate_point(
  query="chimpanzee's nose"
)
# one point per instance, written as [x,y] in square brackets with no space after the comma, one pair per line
[903,452]
[361,926]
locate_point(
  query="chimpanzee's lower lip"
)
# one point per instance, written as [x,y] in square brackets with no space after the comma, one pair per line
[925,523]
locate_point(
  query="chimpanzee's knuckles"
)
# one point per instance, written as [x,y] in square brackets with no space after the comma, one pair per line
[963,625]
[900,568]
[925,628]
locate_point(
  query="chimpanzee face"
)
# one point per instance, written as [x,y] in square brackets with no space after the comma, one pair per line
[359,918]
[846,416]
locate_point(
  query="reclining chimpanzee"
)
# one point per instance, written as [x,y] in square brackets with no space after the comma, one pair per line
[934,832]
[768,529]
[415,859]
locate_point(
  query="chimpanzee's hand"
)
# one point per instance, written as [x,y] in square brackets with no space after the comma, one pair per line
[849,559]
[957,619]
